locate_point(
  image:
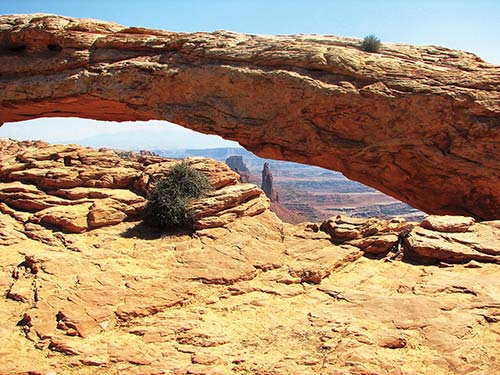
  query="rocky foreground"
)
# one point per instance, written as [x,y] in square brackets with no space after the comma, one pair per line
[88,289]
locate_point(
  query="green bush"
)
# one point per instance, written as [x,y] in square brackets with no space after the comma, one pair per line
[371,43]
[168,200]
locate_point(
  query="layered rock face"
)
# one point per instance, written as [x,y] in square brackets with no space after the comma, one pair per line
[237,164]
[267,182]
[245,294]
[75,189]
[418,123]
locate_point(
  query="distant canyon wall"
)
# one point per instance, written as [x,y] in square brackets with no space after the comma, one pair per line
[419,123]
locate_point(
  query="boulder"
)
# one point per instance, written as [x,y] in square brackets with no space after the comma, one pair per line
[480,241]
[447,223]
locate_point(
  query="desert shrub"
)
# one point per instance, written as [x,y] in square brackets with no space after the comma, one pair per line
[371,43]
[169,199]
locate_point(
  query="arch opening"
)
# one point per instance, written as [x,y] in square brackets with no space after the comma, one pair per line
[302,192]
[417,123]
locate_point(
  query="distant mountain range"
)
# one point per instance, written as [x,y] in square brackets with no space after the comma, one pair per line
[252,161]
[220,153]
[153,139]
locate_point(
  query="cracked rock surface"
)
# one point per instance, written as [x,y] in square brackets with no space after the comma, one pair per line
[250,295]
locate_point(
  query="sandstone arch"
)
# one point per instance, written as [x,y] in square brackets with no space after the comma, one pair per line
[419,123]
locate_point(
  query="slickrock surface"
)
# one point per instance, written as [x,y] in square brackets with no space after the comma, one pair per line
[418,123]
[249,295]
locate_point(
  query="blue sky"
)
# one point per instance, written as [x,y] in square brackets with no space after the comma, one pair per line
[471,25]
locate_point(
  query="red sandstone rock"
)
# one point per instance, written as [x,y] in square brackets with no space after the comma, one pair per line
[418,123]
[253,296]
[76,188]
[447,224]
[267,183]
[447,238]
[236,163]
[69,218]
[480,241]
[343,228]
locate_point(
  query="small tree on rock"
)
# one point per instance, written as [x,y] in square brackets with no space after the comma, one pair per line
[371,44]
[169,199]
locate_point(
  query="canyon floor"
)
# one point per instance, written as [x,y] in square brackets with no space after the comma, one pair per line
[88,289]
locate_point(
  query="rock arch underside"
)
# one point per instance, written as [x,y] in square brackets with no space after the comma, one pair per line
[86,287]
[421,124]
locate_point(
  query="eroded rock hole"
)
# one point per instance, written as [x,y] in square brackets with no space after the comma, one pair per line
[67,161]
[54,47]
[17,48]
[25,321]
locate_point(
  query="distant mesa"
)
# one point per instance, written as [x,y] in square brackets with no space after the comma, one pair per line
[236,163]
